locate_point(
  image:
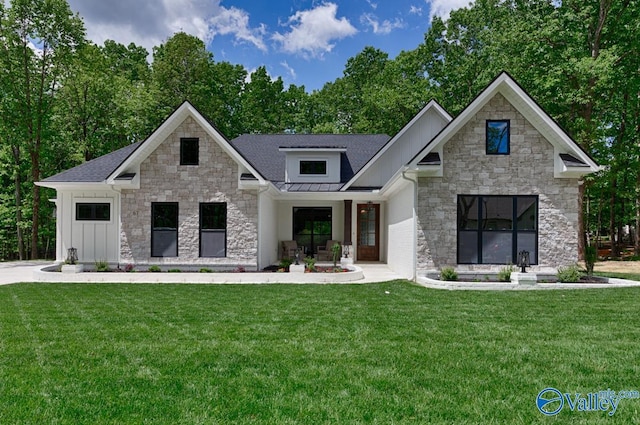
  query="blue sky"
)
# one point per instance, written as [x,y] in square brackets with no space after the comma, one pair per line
[305,42]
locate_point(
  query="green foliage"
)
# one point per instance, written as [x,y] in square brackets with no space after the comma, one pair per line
[154,269]
[174,271]
[206,270]
[336,252]
[310,263]
[448,273]
[504,275]
[569,274]
[285,263]
[102,266]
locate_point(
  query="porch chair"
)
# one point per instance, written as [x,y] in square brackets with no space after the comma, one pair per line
[324,252]
[288,249]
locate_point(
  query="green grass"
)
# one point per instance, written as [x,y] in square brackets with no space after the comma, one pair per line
[628,276]
[310,354]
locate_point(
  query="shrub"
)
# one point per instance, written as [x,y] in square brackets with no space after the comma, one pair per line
[205,270]
[448,273]
[336,251]
[102,266]
[128,267]
[504,275]
[154,269]
[285,263]
[569,274]
[590,257]
[310,262]
[174,271]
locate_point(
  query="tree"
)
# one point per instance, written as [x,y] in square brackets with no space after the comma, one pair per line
[37,43]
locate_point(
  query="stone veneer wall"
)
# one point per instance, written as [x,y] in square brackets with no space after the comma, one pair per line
[215,179]
[528,170]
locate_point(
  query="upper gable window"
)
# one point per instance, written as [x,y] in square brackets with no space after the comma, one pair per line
[498,137]
[313,167]
[189,151]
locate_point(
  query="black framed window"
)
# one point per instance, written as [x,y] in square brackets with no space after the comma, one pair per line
[164,229]
[313,167]
[311,227]
[493,229]
[498,137]
[100,211]
[213,229]
[189,151]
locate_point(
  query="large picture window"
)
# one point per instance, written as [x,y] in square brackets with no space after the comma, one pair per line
[86,211]
[493,229]
[213,229]
[311,228]
[164,229]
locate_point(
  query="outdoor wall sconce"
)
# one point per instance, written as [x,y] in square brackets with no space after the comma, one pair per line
[523,260]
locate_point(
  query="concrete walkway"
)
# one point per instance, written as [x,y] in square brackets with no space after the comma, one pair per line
[19,271]
[30,271]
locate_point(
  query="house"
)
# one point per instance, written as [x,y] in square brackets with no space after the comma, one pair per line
[468,192]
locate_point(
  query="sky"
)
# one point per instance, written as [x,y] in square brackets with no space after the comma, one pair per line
[306,42]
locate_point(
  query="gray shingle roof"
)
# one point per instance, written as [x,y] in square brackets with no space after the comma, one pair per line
[262,152]
[96,170]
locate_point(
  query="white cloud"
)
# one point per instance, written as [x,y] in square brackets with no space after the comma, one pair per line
[148,23]
[312,31]
[373,5]
[443,8]
[384,27]
[290,70]
[236,21]
[415,10]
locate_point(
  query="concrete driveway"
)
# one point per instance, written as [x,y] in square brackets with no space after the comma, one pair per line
[19,271]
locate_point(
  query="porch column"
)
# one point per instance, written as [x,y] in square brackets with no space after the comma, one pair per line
[346,239]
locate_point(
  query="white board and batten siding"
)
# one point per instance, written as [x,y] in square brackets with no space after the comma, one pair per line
[401,246]
[94,240]
[403,148]
[267,231]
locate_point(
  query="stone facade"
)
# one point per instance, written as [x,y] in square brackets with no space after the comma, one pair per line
[467,170]
[214,179]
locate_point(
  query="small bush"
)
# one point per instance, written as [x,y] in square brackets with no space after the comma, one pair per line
[102,266]
[205,270]
[504,275]
[154,269]
[336,251]
[310,262]
[128,267]
[174,271]
[448,273]
[285,263]
[569,274]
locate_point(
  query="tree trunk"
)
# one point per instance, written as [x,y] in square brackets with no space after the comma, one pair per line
[615,251]
[18,200]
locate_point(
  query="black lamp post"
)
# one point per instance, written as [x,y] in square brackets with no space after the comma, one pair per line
[523,260]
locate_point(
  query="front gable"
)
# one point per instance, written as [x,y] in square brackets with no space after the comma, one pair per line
[184,123]
[504,99]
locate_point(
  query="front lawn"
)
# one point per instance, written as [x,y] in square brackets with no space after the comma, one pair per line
[312,354]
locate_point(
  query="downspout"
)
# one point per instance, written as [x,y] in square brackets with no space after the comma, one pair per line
[415,223]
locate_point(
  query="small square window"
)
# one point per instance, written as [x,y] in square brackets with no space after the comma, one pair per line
[93,211]
[189,154]
[498,137]
[313,167]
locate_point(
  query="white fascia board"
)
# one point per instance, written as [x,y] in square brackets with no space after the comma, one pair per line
[71,186]
[432,105]
[278,195]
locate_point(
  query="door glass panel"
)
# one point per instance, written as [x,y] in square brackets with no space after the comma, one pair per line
[467,212]
[312,228]
[526,213]
[468,247]
[527,242]
[497,213]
